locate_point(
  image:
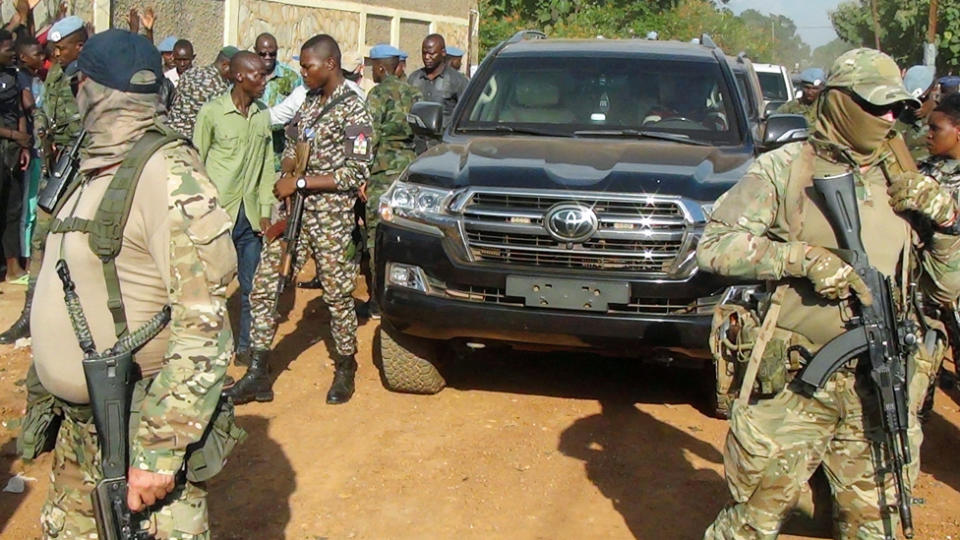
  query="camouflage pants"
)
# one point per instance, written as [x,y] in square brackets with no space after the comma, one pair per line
[328,236]
[68,511]
[774,446]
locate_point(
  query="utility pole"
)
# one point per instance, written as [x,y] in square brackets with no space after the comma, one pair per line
[930,47]
[876,24]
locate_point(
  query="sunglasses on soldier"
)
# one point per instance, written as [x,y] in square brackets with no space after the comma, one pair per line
[877,110]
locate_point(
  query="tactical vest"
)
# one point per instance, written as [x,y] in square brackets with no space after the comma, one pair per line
[105,230]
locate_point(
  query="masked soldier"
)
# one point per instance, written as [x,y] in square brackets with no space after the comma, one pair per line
[336,126]
[57,124]
[769,227]
[129,265]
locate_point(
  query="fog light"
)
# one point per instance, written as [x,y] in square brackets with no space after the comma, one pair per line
[407,276]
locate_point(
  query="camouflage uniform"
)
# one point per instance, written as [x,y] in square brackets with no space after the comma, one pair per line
[184,366]
[327,227]
[393,143]
[764,228]
[196,87]
[795,107]
[944,170]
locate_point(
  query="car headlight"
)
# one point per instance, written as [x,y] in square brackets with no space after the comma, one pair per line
[414,202]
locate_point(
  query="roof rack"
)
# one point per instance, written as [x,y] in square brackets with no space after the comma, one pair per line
[525,35]
[707,41]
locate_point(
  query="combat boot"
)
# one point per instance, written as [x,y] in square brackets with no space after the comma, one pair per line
[255,385]
[21,328]
[342,388]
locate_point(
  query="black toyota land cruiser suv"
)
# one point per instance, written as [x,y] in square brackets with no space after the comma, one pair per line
[562,208]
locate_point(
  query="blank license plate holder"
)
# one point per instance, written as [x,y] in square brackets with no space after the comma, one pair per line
[570,294]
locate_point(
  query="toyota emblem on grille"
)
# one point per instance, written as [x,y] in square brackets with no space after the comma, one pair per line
[570,222]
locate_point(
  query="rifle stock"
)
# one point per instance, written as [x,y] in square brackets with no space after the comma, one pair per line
[886,340]
[61,175]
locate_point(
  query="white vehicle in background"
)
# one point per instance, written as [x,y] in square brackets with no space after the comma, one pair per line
[776,86]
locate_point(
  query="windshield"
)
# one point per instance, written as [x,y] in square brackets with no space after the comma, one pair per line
[578,96]
[774,89]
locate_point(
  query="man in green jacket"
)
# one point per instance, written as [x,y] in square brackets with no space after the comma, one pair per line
[234,140]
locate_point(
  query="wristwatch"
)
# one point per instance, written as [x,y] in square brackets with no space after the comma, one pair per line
[301,183]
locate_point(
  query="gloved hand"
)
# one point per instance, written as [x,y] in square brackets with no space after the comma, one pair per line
[918,192]
[832,278]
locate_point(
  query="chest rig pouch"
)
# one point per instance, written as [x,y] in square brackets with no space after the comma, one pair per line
[752,356]
[206,457]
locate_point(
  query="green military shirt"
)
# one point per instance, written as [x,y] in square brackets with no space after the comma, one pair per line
[59,116]
[795,107]
[388,104]
[237,152]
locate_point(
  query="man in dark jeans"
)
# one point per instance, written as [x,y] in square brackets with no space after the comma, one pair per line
[15,142]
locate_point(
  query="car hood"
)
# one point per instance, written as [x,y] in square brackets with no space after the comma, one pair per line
[619,166]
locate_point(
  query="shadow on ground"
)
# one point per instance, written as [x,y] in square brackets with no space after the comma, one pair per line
[250,498]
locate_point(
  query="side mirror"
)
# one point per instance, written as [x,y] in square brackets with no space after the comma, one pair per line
[426,118]
[781,129]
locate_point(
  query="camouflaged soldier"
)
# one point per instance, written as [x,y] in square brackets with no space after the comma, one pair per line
[196,87]
[767,227]
[337,127]
[177,253]
[388,103]
[811,84]
[57,124]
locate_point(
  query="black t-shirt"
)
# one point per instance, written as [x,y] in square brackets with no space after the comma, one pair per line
[10,105]
[25,82]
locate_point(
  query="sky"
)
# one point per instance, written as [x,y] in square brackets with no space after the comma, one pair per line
[810,16]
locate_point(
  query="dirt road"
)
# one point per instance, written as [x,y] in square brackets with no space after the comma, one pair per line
[520,446]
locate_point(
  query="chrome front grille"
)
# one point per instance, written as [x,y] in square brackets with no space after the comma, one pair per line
[642,234]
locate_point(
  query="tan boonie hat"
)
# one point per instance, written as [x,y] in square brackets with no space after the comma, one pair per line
[872,75]
[351,62]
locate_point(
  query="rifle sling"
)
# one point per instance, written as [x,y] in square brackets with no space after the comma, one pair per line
[760,344]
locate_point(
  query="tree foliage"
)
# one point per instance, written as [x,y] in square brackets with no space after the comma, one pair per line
[903,28]
[764,38]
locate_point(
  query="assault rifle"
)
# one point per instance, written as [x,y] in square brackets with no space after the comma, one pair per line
[110,379]
[289,229]
[886,339]
[62,175]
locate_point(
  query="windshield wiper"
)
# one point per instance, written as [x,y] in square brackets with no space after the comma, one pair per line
[674,137]
[502,128]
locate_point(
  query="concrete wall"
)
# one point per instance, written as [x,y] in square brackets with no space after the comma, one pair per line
[200,21]
[293,25]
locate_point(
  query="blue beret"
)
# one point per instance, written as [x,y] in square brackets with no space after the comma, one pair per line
[917,79]
[814,76]
[403,55]
[167,44]
[114,56]
[454,51]
[381,51]
[64,27]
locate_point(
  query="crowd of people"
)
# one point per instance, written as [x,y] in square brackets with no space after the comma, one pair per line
[229,145]
[234,141]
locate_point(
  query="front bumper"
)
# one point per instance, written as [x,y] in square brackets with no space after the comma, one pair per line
[470,304]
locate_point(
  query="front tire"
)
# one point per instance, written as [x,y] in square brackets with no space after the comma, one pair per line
[408,363]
